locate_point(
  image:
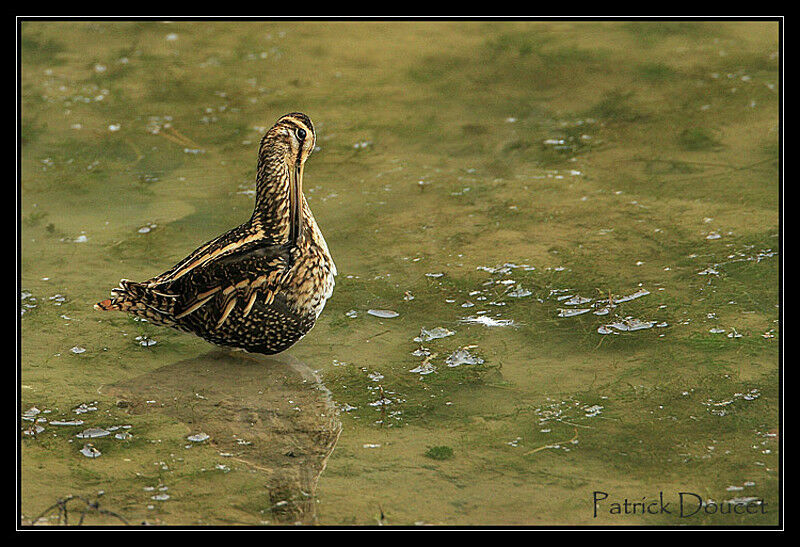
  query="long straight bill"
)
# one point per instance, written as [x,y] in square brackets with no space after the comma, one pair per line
[295,204]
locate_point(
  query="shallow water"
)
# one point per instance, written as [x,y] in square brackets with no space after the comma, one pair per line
[486,182]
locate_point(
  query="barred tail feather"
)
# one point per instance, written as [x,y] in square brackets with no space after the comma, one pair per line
[141,301]
[120,299]
[106,305]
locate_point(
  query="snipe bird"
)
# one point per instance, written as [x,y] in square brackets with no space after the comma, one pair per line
[262,285]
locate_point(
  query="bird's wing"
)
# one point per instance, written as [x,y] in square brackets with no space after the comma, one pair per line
[237,277]
[238,240]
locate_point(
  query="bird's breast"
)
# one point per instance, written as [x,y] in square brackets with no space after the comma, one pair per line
[310,284]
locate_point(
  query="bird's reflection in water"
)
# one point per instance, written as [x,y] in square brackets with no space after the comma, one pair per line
[272,413]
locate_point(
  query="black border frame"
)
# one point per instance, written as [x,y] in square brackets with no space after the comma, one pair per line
[18,202]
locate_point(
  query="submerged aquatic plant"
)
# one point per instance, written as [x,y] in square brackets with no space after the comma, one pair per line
[439,453]
[90,506]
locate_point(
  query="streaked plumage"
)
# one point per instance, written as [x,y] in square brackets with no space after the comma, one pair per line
[260,286]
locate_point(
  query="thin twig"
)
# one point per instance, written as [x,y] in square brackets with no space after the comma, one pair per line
[89,506]
[553,445]
[376,335]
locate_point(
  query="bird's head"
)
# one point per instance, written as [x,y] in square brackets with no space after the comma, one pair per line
[284,150]
[292,138]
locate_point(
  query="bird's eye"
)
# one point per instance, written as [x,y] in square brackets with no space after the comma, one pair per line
[301,134]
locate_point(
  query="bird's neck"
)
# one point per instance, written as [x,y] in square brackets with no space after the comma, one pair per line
[273,205]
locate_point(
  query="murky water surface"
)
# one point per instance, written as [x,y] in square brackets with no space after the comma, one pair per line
[558,257]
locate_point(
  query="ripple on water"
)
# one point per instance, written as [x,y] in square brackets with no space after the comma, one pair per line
[462,357]
[84,408]
[90,451]
[93,432]
[31,414]
[629,324]
[383,314]
[426,335]
[33,430]
[425,368]
[488,321]
[634,296]
[519,292]
[198,437]
[577,300]
[67,422]
[564,312]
